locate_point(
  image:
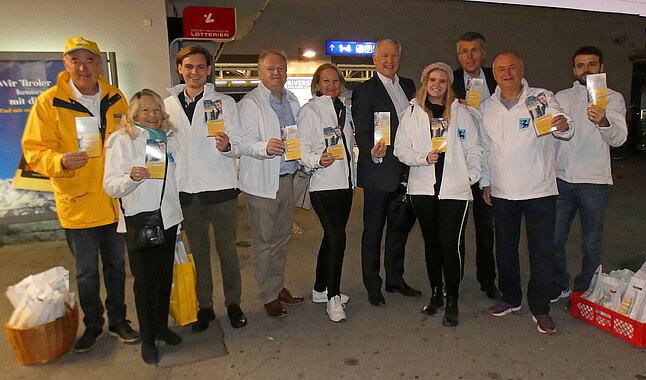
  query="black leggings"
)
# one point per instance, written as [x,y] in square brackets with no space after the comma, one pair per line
[442,223]
[333,209]
[153,272]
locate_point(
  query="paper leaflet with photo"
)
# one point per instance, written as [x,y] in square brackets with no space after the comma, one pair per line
[536,105]
[382,127]
[289,136]
[213,114]
[333,142]
[156,158]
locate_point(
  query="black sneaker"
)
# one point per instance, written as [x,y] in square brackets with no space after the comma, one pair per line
[204,316]
[87,341]
[236,316]
[123,332]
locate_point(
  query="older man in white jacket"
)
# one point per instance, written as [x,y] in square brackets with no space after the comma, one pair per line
[519,179]
[266,178]
[583,168]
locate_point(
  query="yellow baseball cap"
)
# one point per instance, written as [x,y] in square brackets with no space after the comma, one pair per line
[77,43]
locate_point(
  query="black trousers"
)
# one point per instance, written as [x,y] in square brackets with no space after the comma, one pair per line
[333,209]
[442,223]
[483,220]
[540,217]
[375,214]
[153,272]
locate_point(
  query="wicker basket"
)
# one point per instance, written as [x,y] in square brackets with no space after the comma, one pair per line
[44,343]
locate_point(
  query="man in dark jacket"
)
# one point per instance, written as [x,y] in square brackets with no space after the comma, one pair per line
[471,54]
[379,172]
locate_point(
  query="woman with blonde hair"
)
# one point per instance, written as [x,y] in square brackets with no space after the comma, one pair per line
[140,171]
[440,179]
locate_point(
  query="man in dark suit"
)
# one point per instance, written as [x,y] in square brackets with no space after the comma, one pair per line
[380,172]
[471,54]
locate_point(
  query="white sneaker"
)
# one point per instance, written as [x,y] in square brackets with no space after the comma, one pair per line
[321,297]
[564,294]
[335,309]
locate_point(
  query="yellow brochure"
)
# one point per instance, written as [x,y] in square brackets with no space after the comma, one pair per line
[156,158]
[597,89]
[289,135]
[214,116]
[543,125]
[382,127]
[439,126]
[333,141]
[89,138]
[474,91]
[215,126]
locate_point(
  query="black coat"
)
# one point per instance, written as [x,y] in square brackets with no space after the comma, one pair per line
[368,98]
[458,82]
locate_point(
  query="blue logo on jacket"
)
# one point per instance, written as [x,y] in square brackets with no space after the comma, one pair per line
[462,134]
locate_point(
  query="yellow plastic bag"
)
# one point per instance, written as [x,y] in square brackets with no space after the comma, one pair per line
[183,300]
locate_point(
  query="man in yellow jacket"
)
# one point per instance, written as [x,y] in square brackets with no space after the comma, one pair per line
[82,100]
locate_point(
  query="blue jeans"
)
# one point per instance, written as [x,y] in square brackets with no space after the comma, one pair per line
[540,214]
[590,201]
[86,244]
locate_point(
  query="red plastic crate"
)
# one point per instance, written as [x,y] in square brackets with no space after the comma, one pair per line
[605,319]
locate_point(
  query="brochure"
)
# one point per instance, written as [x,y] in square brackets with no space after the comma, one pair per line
[597,89]
[333,142]
[88,135]
[382,127]
[292,143]
[213,115]
[474,91]
[536,105]
[439,126]
[156,158]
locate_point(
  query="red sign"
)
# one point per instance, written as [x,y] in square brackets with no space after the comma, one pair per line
[209,23]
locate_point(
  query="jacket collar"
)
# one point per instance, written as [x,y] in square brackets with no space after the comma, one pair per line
[64,92]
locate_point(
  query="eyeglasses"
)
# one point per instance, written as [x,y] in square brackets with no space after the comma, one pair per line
[473,51]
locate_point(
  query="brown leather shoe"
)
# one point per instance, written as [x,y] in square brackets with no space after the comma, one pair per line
[275,309]
[286,297]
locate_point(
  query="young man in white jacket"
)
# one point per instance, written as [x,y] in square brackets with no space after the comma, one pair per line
[266,178]
[519,179]
[208,181]
[583,168]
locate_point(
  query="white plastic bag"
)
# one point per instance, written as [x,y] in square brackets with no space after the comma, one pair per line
[40,299]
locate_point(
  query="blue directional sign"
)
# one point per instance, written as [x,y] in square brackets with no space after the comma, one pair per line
[350,47]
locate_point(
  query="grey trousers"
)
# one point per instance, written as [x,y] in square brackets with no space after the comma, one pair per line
[223,217]
[270,224]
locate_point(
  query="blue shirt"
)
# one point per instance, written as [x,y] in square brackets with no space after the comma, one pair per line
[285,116]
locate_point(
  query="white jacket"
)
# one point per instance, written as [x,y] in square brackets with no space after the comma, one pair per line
[259,171]
[517,164]
[121,154]
[463,157]
[317,114]
[201,166]
[586,157]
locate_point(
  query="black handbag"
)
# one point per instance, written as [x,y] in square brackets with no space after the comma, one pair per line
[145,229]
[401,216]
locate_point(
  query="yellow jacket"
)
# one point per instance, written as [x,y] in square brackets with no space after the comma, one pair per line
[51,131]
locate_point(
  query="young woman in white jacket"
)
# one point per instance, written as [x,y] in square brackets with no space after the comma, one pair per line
[127,178]
[332,181]
[439,183]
